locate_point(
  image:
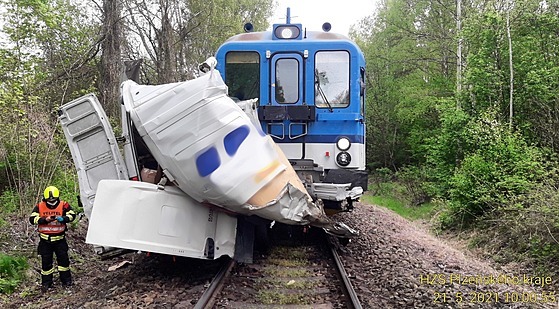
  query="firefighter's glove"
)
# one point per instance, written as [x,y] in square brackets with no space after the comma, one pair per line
[49,219]
[60,219]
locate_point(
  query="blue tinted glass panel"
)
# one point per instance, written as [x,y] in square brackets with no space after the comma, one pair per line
[242,75]
[287,80]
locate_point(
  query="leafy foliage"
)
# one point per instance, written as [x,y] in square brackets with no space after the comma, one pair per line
[12,271]
[525,230]
[41,66]
[498,165]
[457,146]
[179,35]
[51,56]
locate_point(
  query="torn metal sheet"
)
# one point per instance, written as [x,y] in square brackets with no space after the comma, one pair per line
[205,143]
[212,151]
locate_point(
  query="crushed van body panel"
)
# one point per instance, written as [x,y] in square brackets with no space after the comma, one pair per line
[209,147]
[212,151]
[147,217]
[202,140]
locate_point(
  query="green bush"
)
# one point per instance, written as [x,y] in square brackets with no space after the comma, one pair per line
[12,271]
[525,231]
[444,149]
[414,179]
[9,202]
[538,226]
[499,167]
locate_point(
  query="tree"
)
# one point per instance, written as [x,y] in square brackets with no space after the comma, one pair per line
[409,48]
[111,59]
[56,51]
[176,36]
[46,51]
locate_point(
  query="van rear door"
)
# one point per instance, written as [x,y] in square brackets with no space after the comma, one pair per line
[92,144]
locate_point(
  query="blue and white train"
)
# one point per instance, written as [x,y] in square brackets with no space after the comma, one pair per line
[310,87]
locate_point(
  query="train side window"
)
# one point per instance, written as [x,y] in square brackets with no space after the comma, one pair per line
[287,80]
[331,79]
[242,75]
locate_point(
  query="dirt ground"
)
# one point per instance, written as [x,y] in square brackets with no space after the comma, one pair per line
[394,263]
[399,264]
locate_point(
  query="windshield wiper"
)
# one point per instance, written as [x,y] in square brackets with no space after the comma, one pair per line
[321,92]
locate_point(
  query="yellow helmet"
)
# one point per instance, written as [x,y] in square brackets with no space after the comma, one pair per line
[51,192]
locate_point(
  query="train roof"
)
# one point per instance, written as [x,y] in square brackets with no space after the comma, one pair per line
[267,36]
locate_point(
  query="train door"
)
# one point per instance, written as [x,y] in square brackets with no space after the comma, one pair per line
[287,114]
[287,81]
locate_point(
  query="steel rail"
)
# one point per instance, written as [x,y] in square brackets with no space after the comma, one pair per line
[348,288]
[205,302]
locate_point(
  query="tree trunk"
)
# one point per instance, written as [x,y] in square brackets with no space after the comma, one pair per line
[511,80]
[111,66]
[165,37]
[459,51]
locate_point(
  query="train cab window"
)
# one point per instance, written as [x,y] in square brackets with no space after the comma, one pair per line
[242,75]
[331,79]
[287,80]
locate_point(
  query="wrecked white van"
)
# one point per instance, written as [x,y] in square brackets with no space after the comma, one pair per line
[192,166]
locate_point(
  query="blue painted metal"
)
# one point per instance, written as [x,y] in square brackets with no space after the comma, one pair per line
[327,124]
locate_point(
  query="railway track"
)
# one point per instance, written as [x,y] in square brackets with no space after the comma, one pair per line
[293,274]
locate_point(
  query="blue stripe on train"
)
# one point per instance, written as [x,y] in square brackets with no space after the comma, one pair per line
[325,139]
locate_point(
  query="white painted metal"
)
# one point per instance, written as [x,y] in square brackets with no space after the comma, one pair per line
[180,121]
[318,152]
[143,216]
[92,145]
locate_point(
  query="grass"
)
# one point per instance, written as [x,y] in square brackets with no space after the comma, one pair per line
[277,288]
[285,283]
[286,273]
[387,197]
[287,262]
[289,252]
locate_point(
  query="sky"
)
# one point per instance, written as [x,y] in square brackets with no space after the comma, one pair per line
[313,13]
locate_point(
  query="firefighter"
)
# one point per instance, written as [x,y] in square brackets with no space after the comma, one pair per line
[52,214]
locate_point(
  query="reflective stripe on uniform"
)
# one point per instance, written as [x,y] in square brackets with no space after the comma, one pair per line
[51,238]
[61,268]
[47,272]
[51,229]
[37,217]
[70,214]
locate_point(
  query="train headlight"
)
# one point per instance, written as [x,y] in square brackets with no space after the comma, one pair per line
[343,158]
[287,32]
[343,144]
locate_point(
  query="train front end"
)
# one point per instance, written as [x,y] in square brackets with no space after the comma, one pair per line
[309,88]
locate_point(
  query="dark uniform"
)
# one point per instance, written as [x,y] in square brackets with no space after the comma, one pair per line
[51,216]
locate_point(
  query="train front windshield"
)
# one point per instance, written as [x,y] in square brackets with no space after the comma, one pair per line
[243,75]
[332,79]
[310,87]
